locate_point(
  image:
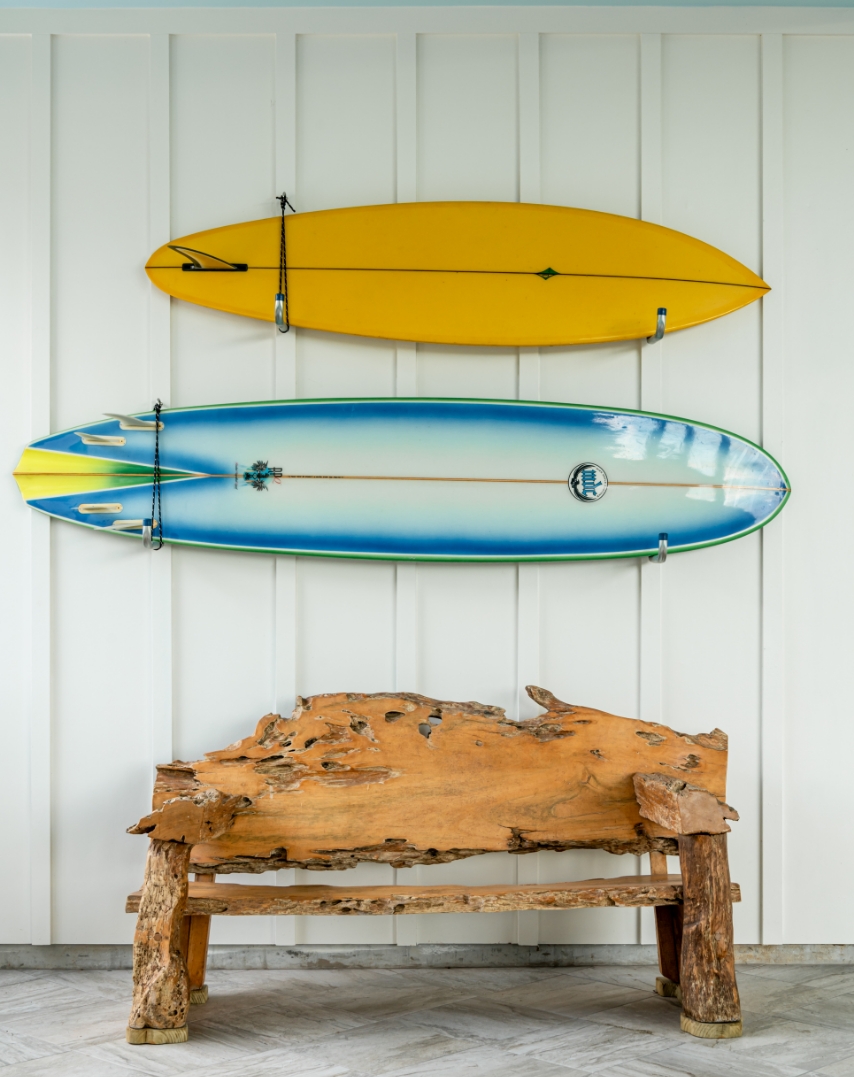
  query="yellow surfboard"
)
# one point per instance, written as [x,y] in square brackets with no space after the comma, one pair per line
[488,273]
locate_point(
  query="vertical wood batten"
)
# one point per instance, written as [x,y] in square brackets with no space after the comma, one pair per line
[651,575]
[406,356]
[406,384]
[773,656]
[650,380]
[287,929]
[160,387]
[40,525]
[528,575]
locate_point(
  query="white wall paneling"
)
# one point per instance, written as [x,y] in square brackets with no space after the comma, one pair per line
[123,128]
[40,605]
[160,388]
[100,590]
[24,559]
[773,698]
[818,380]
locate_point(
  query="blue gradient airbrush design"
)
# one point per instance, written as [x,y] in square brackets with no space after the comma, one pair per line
[704,485]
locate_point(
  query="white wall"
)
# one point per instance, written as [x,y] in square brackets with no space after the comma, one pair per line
[121,129]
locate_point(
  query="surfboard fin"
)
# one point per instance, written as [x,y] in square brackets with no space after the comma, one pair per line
[101,439]
[207,263]
[130,422]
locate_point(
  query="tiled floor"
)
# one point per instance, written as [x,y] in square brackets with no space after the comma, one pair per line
[436,1023]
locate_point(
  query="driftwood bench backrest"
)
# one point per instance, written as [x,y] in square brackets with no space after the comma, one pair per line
[403,779]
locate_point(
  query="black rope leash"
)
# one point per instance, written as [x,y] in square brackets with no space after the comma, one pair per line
[283,318]
[156,516]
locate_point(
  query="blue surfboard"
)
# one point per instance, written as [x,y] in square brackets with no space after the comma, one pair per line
[417,479]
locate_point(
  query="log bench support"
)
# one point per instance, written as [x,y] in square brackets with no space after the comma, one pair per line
[696,952]
[161,985]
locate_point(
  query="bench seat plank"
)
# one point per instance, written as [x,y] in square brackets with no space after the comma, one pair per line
[229,899]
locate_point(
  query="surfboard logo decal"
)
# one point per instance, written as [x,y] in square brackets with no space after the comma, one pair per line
[588,482]
[260,474]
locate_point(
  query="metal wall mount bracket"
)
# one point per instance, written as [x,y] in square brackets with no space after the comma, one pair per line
[660,557]
[661,322]
[280,312]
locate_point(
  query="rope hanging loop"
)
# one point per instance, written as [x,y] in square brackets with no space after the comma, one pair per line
[156,506]
[282,314]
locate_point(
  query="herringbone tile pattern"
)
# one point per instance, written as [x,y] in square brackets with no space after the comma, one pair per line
[604,1020]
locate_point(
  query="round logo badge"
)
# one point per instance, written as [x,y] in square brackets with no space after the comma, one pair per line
[588,482]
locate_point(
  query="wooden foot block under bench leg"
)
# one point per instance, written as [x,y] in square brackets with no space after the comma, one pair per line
[667,988]
[199,995]
[719,1030]
[157,1035]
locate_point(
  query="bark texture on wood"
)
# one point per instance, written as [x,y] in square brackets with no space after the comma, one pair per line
[191,819]
[160,981]
[707,974]
[403,779]
[680,806]
[226,899]
[668,934]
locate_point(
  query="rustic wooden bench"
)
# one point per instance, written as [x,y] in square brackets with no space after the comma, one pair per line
[401,779]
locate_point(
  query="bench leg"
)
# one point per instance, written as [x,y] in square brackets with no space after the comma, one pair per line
[160,982]
[668,935]
[198,933]
[710,1003]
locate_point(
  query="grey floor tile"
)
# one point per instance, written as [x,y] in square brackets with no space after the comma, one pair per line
[377,1003]
[834,1010]
[790,1043]
[37,994]
[207,1047]
[386,1046]
[282,1021]
[14,976]
[15,1048]
[645,1067]
[710,1058]
[764,994]
[659,1016]
[89,1020]
[70,1064]
[486,1019]
[482,980]
[571,995]
[484,1062]
[116,983]
[843,1068]
[302,981]
[274,1064]
[641,977]
[589,1046]
[810,975]
[603,1021]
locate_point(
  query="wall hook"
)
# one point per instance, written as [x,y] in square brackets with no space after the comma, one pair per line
[660,557]
[280,312]
[148,526]
[659,326]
